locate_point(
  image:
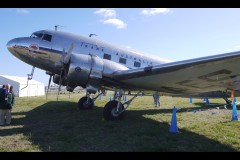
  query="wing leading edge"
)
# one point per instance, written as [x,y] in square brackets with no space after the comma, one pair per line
[194,77]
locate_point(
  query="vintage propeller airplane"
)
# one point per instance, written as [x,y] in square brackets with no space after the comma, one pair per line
[96,65]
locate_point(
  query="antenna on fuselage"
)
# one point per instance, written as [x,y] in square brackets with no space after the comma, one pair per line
[90,35]
[56,27]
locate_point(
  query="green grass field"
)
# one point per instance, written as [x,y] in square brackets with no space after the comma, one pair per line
[50,125]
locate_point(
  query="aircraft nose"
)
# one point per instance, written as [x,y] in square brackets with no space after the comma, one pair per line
[12,44]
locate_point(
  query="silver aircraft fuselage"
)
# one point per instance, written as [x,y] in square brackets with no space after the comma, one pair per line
[91,62]
[43,54]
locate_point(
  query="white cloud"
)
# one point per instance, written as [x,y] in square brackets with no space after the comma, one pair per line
[23,11]
[237,46]
[154,11]
[116,22]
[106,12]
[110,17]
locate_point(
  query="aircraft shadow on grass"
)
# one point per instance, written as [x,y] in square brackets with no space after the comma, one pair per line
[59,126]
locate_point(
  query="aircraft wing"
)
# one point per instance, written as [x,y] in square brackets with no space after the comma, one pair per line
[195,77]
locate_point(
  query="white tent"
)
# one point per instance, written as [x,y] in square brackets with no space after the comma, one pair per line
[21,88]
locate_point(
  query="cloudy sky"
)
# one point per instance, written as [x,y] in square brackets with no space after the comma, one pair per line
[171,33]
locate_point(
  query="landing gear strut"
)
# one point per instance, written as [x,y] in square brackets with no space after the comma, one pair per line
[114,110]
[228,102]
[86,102]
[110,112]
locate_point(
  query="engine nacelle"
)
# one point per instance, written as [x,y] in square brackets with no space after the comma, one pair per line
[85,71]
[56,79]
[88,70]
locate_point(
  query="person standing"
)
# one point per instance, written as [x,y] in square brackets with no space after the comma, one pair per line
[12,101]
[7,101]
[156,98]
[1,89]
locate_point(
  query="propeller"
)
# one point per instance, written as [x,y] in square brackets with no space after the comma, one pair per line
[68,56]
[63,64]
[60,81]
[50,78]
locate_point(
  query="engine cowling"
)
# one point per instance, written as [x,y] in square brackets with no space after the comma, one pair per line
[56,79]
[87,71]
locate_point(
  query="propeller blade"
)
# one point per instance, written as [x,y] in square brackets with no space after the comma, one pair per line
[60,82]
[67,57]
[50,78]
[63,64]
[60,63]
[63,55]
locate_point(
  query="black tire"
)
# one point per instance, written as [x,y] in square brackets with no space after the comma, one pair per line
[229,103]
[82,103]
[109,113]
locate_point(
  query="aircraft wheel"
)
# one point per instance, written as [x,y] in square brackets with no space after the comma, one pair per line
[109,111]
[229,103]
[82,103]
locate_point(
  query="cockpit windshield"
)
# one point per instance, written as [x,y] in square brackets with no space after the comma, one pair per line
[36,35]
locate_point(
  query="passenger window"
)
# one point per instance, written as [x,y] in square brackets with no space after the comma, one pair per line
[122,60]
[107,56]
[137,64]
[47,37]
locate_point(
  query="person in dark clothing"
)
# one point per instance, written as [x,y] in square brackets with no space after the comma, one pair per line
[7,101]
[1,89]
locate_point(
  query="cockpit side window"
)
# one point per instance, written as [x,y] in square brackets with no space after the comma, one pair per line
[47,37]
[36,35]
